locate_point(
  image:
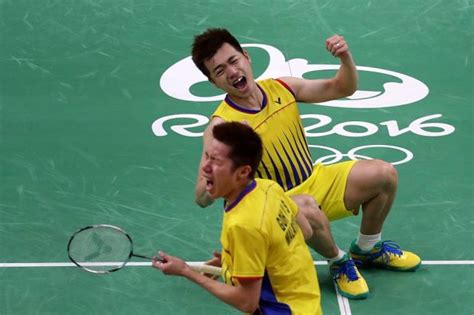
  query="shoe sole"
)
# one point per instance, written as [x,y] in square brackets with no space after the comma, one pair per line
[366,265]
[353,297]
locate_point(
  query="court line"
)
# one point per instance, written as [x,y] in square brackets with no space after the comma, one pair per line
[195,263]
[343,302]
[448,262]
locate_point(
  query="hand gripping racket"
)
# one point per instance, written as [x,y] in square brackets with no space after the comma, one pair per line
[104,248]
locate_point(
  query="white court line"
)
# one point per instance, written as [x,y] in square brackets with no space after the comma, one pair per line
[448,262]
[70,264]
[343,302]
[196,263]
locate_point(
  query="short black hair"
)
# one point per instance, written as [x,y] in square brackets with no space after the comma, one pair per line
[245,144]
[206,45]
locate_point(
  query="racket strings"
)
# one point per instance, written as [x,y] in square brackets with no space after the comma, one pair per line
[100,248]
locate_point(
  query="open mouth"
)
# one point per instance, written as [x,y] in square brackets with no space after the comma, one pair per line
[240,83]
[209,184]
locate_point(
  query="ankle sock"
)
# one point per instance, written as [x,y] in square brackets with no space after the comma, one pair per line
[367,242]
[338,257]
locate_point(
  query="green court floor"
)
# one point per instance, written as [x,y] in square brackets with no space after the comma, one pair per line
[101,116]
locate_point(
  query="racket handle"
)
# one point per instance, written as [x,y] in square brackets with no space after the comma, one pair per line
[200,267]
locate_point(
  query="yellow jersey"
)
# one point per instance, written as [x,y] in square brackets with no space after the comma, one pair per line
[286,157]
[261,240]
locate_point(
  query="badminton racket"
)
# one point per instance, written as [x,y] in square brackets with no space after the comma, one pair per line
[105,248]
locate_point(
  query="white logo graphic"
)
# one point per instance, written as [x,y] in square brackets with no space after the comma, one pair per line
[354,154]
[177,81]
[421,126]
[399,89]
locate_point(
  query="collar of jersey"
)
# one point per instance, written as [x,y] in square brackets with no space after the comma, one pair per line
[242,194]
[245,110]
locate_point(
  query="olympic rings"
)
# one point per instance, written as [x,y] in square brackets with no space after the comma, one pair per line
[352,154]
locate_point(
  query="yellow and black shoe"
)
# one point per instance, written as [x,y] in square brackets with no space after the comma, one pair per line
[387,255]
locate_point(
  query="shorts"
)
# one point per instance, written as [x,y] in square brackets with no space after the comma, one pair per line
[327,185]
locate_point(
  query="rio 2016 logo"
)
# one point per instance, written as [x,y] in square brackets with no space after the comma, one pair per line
[401,90]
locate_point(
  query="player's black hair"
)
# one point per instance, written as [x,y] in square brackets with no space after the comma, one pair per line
[245,144]
[206,45]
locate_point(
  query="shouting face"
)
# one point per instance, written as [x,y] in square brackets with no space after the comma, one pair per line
[230,70]
[223,179]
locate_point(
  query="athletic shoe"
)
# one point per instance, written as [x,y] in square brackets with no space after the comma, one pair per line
[386,254]
[349,281]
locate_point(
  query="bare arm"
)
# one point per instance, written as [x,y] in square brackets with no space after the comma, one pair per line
[343,84]
[243,296]
[202,198]
[304,224]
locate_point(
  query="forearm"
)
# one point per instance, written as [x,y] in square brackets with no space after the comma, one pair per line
[232,295]
[343,84]
[346,77]
[304,224]
[242,296]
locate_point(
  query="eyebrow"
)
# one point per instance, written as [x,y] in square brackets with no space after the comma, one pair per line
[216,68]
[221,65]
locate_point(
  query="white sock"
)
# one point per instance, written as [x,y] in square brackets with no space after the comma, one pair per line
[339,256]
[367,242]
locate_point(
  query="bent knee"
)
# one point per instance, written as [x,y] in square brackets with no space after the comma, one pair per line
[305,201]
[311,211]
[386,173]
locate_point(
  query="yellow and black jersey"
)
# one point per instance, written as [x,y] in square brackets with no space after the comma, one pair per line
[286,157]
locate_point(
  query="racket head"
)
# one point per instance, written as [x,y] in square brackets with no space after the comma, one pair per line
[100,248]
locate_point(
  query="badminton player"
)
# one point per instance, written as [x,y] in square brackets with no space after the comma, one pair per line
[266,266]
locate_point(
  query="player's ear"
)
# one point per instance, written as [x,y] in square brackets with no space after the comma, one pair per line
[244,171]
